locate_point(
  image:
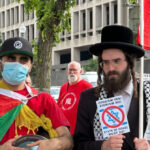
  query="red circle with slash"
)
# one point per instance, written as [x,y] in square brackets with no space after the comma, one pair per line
[119,122]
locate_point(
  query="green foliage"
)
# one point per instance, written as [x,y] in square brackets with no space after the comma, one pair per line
[34,44]
[51,15]
[92,65]
[133,1]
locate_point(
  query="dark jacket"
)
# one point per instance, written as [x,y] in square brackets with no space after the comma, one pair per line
[84,135]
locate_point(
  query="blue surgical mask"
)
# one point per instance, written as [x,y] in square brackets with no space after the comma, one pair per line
[14,72]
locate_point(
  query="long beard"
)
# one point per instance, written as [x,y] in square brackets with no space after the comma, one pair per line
[72,78]
[118,83]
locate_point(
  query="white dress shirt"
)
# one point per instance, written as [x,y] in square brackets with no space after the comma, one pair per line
[126,94]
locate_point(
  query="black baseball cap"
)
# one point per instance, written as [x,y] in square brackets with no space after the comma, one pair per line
[16,45]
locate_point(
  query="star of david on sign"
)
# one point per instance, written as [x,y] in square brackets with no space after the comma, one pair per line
[18,44]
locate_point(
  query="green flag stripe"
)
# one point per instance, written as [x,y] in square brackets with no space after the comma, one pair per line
[7,119]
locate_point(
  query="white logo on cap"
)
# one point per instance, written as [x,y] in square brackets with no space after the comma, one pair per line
[18,44]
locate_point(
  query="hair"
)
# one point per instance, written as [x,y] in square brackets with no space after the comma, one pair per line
[75,62]
[131,60]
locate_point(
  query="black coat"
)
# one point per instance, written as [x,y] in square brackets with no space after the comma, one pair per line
[84,135]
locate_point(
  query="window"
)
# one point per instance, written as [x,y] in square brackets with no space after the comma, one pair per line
[16,14]
[83,20]
[107,15]
[98,16]
[76,22]
[115,13]
[77,2]
[83,1]
[27,33]
[0,20]
[32,31]
[85,55]
[3,19]
[3,36]
[12,33]
[8,34]
[8,17]
[91,19]
[12,16]
[31,16]
[22,13]
[8,2]
[17,32]
[65,58]
[3,2]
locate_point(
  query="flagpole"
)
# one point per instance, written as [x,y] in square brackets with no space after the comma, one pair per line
[141,72]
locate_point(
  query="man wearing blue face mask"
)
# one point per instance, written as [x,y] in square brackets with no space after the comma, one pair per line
[24,111]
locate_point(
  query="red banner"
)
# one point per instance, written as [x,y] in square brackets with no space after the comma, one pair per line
[138,36]
[146,26]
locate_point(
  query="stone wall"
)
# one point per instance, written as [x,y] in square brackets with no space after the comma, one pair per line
[58,75]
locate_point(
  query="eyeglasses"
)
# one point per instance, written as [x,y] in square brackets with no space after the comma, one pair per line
[73,70]
[114,62]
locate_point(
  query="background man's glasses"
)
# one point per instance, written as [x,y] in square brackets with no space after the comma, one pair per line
[73,70]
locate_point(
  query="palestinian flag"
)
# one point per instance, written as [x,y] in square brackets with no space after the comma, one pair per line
[9,109]
[12,109]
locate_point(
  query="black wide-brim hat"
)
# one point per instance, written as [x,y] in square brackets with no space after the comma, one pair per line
[16,45]
[117,36]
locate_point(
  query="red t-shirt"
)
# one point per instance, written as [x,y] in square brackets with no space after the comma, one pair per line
[41,104]
[69,98]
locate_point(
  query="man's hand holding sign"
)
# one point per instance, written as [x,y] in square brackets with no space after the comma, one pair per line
[113,142]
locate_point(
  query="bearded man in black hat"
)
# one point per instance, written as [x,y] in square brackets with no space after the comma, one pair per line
[24,111]
[116,60]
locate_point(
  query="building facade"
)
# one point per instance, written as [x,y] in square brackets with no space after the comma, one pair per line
[12,16]
[88,17]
